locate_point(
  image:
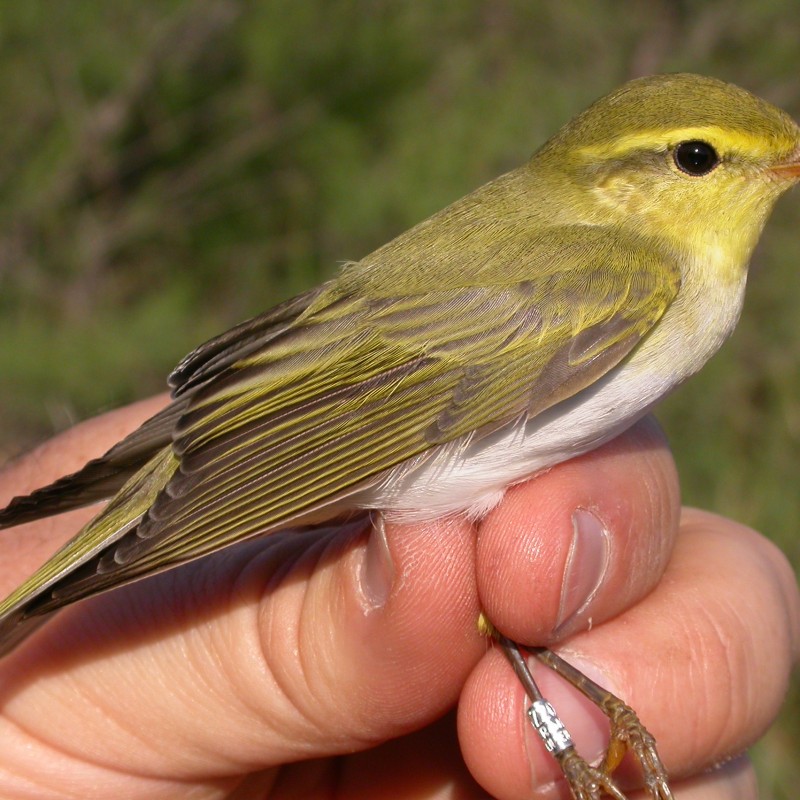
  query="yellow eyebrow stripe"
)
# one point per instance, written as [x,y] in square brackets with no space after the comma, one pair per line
[726,140]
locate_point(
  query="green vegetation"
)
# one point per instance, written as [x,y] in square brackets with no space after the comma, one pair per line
[169,168]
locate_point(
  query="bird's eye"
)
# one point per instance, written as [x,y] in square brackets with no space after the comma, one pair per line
[695,157]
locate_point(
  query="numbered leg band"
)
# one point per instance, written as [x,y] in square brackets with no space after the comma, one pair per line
[550,728]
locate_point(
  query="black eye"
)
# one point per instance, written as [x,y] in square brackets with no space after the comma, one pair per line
[696,157]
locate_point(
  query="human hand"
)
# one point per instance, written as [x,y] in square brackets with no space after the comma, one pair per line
[309,664]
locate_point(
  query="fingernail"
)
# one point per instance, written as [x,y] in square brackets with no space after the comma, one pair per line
[377,571]
[587,563]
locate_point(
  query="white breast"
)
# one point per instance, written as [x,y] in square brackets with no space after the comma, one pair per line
[471,474]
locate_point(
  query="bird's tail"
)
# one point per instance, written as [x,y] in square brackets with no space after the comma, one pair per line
[100,478]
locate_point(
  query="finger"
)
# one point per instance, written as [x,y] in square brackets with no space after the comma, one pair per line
[438,772]
[306,644]
[600,528]
[704,663]
[733,780]
[426,765]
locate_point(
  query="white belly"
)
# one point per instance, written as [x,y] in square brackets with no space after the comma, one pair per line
[471,474]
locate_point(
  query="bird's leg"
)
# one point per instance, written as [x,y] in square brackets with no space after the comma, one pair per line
[585,781]
[627,733]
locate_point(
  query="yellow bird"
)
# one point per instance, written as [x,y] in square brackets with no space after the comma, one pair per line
[529,322]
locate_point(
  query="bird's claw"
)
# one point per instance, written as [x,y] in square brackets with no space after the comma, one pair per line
[585,781]
[628,734]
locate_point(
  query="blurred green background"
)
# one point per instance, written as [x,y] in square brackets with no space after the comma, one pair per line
[169,168]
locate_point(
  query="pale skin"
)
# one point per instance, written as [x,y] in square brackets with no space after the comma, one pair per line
[203,682]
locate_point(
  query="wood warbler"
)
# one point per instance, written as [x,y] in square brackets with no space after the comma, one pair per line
[527,323]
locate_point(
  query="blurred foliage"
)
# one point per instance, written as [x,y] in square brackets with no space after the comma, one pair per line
[169,168]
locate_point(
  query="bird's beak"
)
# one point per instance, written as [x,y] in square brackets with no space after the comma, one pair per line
[790,168]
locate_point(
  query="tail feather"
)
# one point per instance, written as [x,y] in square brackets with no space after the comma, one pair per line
[100,478]
[96,481]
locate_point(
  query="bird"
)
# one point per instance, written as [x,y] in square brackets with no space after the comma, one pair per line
[527,323]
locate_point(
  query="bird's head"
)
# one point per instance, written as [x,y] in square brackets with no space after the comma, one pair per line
[686,158]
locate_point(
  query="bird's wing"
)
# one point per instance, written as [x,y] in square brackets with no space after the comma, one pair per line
[359,384]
